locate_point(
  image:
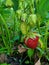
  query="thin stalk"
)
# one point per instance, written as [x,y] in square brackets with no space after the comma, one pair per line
[5,26]
[38,26]
[14,24]
[3,38]
[45,38]
[23,60]
[30,59]
[37,22]
[7,45]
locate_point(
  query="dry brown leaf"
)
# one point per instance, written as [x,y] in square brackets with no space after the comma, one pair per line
[21,49]
[38,62]
[3,58]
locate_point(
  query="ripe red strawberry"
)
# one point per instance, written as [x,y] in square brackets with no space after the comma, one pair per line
[32,42]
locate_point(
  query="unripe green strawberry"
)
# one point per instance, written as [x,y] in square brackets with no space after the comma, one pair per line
[9,3]
[24,28]
[23,17]
[19,13]
[32,19]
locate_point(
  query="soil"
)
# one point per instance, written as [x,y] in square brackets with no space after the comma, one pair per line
[16,60]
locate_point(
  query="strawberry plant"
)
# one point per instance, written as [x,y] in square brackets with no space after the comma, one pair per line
[24,30]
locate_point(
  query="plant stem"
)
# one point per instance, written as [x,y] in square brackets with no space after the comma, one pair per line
[23,60]
[14,23]
[45,38]
[6,43]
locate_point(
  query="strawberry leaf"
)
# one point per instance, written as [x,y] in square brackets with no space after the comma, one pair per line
[30,52]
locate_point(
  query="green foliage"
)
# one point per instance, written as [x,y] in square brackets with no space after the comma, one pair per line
[26,62]
[4,64]
[35,14]
[16,4]
[43,6]
[30,52]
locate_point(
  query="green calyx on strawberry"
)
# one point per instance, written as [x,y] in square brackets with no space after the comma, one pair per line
[31,42]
